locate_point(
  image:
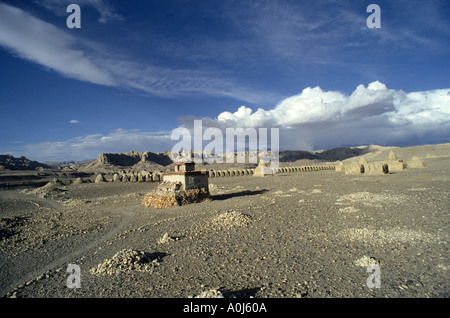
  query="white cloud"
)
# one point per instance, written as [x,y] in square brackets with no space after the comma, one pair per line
[74,121]
[43,43]
[86,60]
[168,82]
[316,119]
[91,146]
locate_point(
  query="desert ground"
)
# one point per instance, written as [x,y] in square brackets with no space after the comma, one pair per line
[290,235]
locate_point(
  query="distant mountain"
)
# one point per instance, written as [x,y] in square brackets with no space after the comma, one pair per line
[342,153]
[135,160]
[130,160]
[67,165]
[22,163]
[335,154]
[294,155]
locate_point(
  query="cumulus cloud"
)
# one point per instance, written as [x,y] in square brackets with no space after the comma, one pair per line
[317,119]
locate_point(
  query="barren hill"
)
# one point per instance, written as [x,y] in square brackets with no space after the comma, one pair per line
[150,161]
[130,160]
[405,153]
[22,163]
[342,153]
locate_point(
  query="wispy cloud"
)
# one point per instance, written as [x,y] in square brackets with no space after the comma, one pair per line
[334,32]
[42,43]
[169,82]
[74,121]
[85,60]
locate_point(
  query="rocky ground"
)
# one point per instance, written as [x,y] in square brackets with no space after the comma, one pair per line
[298,235]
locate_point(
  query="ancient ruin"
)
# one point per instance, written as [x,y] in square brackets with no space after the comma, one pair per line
[415,162]
[183,186]
[263,169]
[392,164]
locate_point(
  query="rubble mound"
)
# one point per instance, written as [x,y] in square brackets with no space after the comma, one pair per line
[230,219]
[170,194]
[48,191]
[126,260]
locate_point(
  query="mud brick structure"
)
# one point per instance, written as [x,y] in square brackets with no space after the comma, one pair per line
[186,175]
[183,186]
[263,169]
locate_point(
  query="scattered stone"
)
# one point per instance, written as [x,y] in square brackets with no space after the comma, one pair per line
[349,209]
[126,260]
[212,293]
[230,219]
[388,236]
[165,239]
[372,199]
[366,261]
[213,188]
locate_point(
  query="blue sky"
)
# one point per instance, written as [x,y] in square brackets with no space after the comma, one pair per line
[136,70]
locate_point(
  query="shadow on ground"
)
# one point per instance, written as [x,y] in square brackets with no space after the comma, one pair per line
[227,196]
[242,293]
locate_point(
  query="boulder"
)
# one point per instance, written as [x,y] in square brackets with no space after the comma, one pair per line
[100,178]
[78,181]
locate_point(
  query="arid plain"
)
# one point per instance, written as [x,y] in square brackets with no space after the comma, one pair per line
[294,235]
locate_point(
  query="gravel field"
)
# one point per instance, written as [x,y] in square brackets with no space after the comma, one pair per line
[298,235]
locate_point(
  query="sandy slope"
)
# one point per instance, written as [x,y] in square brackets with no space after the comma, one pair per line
[308,234]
